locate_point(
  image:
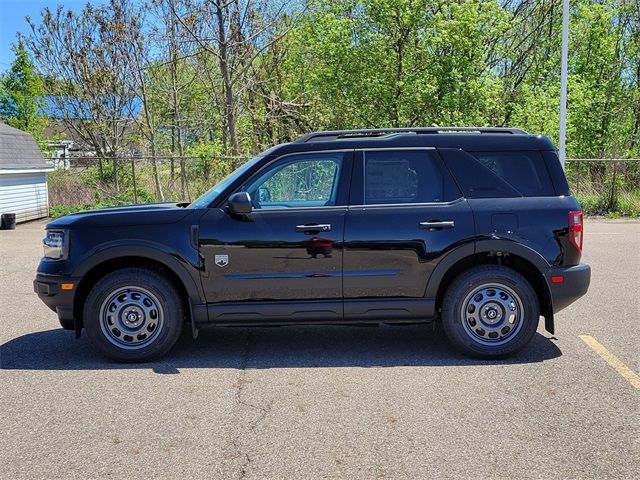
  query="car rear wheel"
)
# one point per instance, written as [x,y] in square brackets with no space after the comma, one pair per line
[490,311]
[133,315]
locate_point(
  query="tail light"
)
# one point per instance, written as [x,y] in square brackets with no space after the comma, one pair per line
[576,232]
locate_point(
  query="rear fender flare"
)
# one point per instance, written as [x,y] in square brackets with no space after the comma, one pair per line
[444,265]
[510,246]
[492,246]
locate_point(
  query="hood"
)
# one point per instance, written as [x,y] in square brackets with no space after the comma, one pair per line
[152,213]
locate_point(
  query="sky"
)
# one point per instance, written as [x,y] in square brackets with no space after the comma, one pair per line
[12,13]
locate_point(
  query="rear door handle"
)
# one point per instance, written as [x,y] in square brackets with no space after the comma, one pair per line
[437,225]
[313,228]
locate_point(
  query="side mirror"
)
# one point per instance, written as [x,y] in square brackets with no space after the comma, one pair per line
[240,203]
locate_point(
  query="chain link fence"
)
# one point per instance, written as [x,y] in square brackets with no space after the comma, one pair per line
[81,183]
[606,186]
[603,186]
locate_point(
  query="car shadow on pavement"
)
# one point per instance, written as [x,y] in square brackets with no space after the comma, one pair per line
[263,347]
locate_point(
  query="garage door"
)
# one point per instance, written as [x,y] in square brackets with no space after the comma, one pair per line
[24,194]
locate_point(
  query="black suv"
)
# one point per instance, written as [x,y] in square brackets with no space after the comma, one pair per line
[473,227]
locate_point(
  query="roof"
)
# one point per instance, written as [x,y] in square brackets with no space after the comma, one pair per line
[471,139]
[19,150]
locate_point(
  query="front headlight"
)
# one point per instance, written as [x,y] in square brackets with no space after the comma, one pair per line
[54,245]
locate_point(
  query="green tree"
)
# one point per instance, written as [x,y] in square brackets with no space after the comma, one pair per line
[393,63]
[22,96]
[601,83]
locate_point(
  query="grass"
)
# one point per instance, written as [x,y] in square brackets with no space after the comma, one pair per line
[56,211]
[83,189]
[626,204]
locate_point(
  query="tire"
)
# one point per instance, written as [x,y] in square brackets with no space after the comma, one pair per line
[133,315]
[490,312]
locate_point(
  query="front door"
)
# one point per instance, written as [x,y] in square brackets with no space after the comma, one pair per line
[290,246]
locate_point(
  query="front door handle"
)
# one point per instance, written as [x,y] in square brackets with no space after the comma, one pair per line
[310,228]
[437,225]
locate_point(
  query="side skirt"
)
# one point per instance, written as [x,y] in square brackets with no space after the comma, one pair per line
[389,310]
[349,311]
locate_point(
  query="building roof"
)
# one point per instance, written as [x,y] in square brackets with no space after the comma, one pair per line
[19,150]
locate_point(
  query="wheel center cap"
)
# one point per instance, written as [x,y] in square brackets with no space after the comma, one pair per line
[491,313]
[132,318]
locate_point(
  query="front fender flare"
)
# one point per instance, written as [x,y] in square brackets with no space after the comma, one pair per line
[184,268]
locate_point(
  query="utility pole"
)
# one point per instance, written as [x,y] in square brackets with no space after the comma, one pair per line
[563,80]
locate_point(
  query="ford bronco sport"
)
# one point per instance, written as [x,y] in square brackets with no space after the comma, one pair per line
[472,227]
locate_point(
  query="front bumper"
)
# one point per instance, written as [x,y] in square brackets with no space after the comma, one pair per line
[567,284]
[48,288]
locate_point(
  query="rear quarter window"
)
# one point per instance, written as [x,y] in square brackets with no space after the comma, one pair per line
[499,174]
[524,171]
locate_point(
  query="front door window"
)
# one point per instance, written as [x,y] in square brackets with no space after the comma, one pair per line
[297,182]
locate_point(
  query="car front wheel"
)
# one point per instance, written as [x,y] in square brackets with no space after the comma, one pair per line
[490,311]
[133,315]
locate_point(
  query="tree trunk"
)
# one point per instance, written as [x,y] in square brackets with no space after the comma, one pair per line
[176,131]
[173,149]
[115,174]
[229,100]
[154,166]
[152,138]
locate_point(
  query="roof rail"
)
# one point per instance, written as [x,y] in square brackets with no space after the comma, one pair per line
[378,132]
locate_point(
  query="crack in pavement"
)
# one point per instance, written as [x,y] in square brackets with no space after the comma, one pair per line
[241,381]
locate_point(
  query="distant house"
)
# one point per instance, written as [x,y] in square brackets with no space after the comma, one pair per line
[23,175]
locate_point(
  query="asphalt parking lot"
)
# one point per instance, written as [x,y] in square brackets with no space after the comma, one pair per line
[327,402]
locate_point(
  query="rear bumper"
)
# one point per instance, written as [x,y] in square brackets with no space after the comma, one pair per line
[60,301]
[567,284]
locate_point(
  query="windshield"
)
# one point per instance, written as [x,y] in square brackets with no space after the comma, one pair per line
[210,195]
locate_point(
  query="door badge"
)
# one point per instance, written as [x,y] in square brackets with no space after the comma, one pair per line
[222,260]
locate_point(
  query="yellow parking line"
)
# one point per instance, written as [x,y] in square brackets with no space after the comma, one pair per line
[628,374]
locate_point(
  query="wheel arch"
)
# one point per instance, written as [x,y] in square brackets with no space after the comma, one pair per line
[520,258]
[110,260]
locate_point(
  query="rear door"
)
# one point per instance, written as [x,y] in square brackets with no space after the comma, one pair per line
[405,214]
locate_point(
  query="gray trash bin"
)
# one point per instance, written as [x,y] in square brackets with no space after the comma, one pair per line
[8,221]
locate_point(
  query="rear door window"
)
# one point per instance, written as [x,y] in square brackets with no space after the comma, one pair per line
[405,176]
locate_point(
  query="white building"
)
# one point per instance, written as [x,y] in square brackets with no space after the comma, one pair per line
[23,175]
